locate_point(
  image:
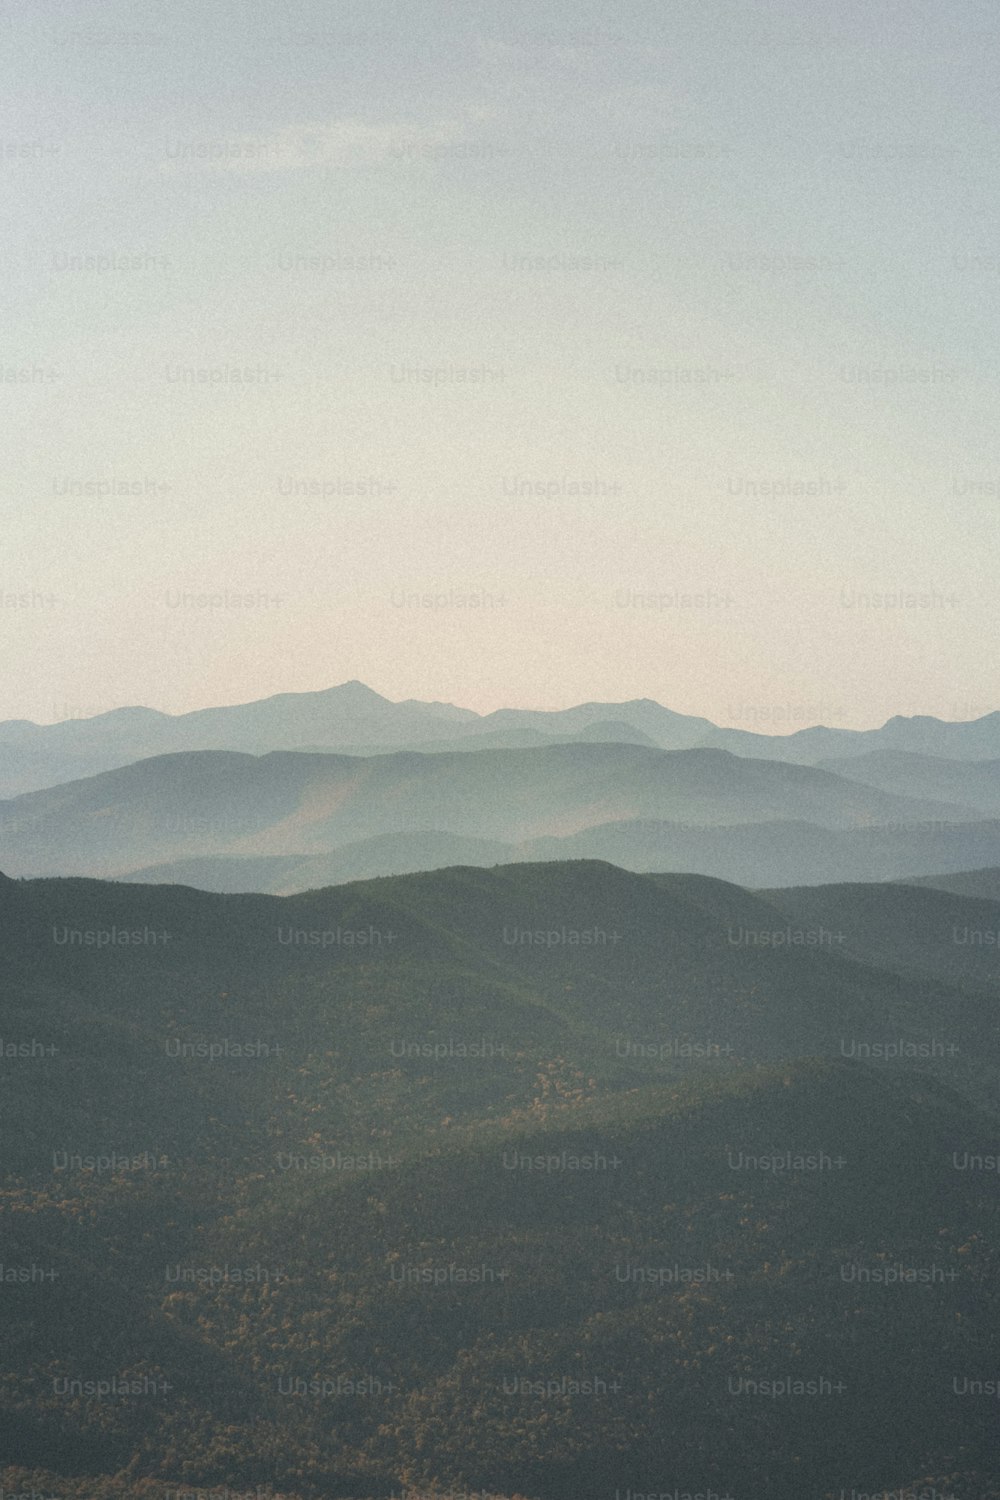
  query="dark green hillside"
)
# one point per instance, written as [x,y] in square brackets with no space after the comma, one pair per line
[438,998]
[984,884]
[747,1283]
[488,1154]
[619,976]
[915,930]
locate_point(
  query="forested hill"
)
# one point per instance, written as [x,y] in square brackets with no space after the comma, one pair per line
[565,1158]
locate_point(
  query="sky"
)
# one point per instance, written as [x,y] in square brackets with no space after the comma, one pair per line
[510,354]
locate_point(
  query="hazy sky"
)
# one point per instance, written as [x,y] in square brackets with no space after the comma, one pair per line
[734,268]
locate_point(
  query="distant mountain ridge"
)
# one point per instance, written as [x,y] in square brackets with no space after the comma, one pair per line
[754,854]
[353,717]
[227,803]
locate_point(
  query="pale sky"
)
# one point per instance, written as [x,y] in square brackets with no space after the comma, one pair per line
[734,268]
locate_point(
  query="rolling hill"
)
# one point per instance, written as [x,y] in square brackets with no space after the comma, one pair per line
[333,1180]
[223,803]
[767,854]
[984,883]
[973,783]
[916,930]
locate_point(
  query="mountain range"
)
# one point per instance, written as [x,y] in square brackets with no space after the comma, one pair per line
[769,854]
[354,719]
[227,804]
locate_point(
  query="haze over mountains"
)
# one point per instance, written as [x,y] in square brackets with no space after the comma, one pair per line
[252,797]
[775,853]
[577,1099]
[354,719]
[224,803]
[176,1062]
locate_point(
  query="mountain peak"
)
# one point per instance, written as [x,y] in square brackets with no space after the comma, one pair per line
[356,691]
